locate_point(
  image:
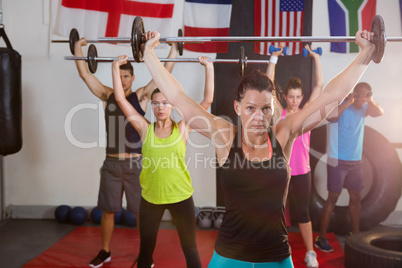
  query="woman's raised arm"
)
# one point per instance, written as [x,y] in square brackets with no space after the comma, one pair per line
[217,129]
[318,76]
[334,93]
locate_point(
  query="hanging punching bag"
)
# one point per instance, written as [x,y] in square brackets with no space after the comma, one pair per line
[10,98]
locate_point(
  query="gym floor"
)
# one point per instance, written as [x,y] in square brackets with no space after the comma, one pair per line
[23,240]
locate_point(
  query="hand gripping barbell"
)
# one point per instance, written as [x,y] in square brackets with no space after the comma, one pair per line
[92,60]
[137,38]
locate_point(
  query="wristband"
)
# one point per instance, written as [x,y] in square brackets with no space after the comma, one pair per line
[273,59]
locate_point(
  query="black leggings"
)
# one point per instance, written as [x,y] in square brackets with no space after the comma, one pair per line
[183,215]
[299,197]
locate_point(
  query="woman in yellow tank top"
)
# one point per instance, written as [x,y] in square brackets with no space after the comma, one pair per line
[165,179]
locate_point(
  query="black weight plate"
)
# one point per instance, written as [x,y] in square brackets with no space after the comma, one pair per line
[180,44]
[378,28]
[74,37]
[137,38]
[92,62]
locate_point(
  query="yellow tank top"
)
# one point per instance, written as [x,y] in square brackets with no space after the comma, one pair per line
[165,178]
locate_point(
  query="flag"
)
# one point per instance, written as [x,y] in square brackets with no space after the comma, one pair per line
[278,18]
[207,18]
[346,18]
[112,18]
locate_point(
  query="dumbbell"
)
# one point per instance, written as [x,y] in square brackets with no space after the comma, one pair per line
[305,51]
[272,49]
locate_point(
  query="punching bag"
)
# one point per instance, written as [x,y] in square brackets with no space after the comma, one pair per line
[10,98]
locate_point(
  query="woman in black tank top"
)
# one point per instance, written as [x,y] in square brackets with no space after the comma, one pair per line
[256,160]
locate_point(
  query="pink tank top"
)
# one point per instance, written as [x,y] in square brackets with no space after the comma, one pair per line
[300,158]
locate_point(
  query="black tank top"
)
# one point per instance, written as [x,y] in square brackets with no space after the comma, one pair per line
[253,227]
[121,135]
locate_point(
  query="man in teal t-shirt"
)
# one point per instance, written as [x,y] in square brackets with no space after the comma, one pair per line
[345,149]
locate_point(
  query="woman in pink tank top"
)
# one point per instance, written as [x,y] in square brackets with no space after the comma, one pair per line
[300,183]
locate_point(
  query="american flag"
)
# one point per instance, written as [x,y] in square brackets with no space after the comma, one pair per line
[278,18]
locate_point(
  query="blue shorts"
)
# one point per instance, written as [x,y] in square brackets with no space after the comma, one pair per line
[217,261]
[345,174]
[120,176]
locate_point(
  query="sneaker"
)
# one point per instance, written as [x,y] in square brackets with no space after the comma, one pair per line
[322,244]
[311,259]
[100,259]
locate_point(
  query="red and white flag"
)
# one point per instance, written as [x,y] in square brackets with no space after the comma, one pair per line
[207,18]
[112,18]
[278,18]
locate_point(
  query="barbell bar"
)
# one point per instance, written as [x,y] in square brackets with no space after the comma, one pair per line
[92,60]
[138,31]
[377,27]
[74,37]
[203,39]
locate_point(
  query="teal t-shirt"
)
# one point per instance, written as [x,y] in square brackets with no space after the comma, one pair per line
[346,135]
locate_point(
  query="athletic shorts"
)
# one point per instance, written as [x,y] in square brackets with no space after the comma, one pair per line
[299,197]
[120,176]
[345,174]
[218,261]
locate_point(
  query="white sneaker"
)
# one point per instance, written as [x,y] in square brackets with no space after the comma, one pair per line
[311,259]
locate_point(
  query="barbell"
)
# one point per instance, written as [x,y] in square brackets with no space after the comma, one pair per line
[92,60]
[377,27]
[137,38]
[75,36]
